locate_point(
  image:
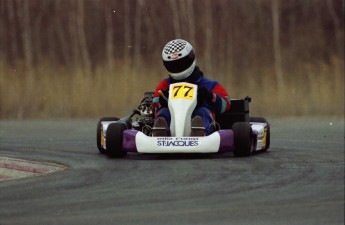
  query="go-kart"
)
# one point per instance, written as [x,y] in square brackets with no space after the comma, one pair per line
[234,131]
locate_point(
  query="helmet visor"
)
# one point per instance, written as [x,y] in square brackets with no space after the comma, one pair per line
[179,65]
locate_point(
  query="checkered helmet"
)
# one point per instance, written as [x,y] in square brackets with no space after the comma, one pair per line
[179,59]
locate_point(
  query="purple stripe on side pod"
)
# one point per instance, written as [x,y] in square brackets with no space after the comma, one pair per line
[226,141]
[128,144]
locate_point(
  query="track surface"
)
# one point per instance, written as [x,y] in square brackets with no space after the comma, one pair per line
[299,181]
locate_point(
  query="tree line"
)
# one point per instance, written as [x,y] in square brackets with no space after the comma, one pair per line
[80,51]
[230,34]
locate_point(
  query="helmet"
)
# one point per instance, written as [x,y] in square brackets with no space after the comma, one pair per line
[179,59]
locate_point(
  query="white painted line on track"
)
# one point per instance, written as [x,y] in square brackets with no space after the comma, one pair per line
[12,168]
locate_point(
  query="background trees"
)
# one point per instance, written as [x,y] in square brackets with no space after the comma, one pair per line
[273,46]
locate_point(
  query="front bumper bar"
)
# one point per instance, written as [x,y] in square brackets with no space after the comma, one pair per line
[218,142]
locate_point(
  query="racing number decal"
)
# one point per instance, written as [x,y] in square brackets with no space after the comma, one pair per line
[183,91]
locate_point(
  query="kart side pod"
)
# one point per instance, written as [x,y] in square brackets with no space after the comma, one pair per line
[136,141]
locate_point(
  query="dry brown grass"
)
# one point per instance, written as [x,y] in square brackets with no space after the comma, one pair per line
[51,91]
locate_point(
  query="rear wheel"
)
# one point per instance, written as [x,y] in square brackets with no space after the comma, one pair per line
[268,130]
[100,132]
[114,140]
[242,139]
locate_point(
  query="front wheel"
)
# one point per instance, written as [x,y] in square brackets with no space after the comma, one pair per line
[115,139]
[268,130]
[243,138]
[100,132]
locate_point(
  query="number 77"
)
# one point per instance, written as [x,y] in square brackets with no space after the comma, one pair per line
[189,89]
[178,89]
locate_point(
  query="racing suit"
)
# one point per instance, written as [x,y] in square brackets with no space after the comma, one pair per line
[219,103]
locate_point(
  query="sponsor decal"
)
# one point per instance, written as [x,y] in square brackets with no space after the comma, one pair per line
[177,142]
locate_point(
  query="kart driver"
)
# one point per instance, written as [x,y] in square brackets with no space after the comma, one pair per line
[179,60]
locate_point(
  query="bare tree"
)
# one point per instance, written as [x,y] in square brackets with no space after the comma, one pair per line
[127,31]
[36,26]
[276,44]
[337,25]
[208,33]
[83,48]
[138,33]
[23,10]
[175,18]
[13,45]
[190,19]
[62,34]
[2,42]
[109,39]
[24,102]
[226,47]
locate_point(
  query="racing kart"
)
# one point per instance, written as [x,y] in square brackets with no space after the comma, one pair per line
[234,131]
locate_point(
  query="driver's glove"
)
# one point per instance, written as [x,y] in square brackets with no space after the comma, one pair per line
[163,98]
[204,95]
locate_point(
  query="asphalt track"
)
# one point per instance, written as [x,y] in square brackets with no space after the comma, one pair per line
[299,181]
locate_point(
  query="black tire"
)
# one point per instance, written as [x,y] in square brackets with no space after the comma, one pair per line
[268,137]
[242,138]
[100,132]
[258,119]
[114,140]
